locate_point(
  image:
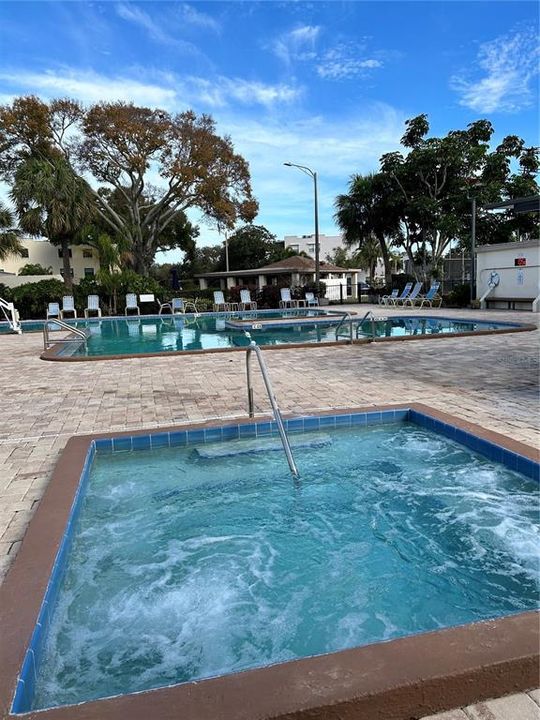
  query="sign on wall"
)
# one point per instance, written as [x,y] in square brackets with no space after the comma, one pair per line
[520,262]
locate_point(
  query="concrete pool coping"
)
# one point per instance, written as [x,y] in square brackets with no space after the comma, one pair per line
[55,352]
[415,675]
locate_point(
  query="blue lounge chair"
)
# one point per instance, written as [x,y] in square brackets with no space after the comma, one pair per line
[409,300]
[405,293]
[219,302]
[286,299]
[383,300]
[430,297]
[311,300]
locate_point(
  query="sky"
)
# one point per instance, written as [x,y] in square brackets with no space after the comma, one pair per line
[328,85]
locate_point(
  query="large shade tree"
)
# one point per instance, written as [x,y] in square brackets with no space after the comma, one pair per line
[433,181]
[152,166]
[252,246]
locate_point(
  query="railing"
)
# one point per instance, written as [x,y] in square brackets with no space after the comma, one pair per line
[81,334]
[11,314]
[346,317]
[254,348]
[368,316]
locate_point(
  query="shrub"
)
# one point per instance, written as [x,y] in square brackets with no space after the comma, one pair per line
[460,296]
[31,299]
[318,290]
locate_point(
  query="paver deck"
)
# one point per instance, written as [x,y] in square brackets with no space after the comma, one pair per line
[491,380]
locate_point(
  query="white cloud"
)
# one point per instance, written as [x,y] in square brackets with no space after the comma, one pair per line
[155,31]
[164,90]
[89,87]
[195,17]
[345,61]
[298,44]
[221,91]
[509,64]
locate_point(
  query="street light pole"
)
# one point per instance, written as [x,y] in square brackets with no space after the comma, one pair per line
[313,175]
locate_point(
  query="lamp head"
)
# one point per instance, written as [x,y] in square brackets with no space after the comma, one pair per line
[288,164]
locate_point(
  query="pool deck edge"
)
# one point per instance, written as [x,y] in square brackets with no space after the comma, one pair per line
[416,675]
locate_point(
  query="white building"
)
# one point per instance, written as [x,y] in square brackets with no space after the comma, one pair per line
[508,275]
[84,260]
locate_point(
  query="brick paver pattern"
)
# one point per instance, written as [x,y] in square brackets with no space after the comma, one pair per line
[491,380]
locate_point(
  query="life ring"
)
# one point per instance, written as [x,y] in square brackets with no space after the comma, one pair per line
[494,279]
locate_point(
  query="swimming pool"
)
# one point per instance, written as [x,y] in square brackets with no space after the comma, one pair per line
[191,553]
[215,332]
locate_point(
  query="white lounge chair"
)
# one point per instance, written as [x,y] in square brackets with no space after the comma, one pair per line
[131,303]
[311,300]
[53,310]
[68,306]
[92,305]
[246,303]
[219,302]
[404,293]
[286,299]
[409,300]
[384,299]
[177,306]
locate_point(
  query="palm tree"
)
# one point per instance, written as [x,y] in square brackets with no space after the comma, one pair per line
[10,243]
[368,211]
[52,201]
[368,256]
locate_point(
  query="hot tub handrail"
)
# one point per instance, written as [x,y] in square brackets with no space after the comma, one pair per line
[65,326]
[254,348]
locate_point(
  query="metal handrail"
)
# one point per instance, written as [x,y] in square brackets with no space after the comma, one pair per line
[65,326]
[370,315]
[13,322]
[254,348]
[346,316]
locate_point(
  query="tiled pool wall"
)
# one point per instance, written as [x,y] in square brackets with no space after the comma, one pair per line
[223,433]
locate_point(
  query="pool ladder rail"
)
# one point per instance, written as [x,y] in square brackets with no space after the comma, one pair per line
[254,348]
[347,318]
[47,342]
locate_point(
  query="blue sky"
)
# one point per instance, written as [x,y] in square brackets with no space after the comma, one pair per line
[328,85]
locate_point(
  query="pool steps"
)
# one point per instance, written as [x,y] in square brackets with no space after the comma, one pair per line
[254,446]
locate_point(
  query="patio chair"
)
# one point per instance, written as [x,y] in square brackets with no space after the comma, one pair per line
[430,297]
[409,300]
[383,299]
[163,306]
[68,306]
[246,303]
[311,300]
[219,302]
[405,293]
[286,299]
[53,310]
[92,305]
[131,303]
[177,306]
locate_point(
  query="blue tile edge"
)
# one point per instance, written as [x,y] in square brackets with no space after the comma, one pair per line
[22,701]
[103,446]
[487,448]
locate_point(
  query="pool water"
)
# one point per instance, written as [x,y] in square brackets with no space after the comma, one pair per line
[186,565]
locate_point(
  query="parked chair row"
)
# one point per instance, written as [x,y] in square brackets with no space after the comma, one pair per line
[221,305]
[175,306]
[411,297]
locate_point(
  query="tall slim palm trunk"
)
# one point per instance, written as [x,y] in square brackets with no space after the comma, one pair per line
[66,262]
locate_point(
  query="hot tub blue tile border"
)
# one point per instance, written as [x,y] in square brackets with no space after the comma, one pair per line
[24,690]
